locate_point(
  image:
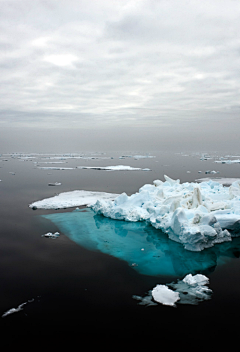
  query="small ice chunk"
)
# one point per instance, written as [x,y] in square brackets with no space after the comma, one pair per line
[54,184]
[163,294]
[197,279]
[51,235]
[14,310]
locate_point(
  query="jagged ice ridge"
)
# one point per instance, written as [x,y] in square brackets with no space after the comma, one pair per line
[196,215]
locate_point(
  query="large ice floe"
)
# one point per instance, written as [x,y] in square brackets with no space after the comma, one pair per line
[196,215]
[114,168]
[190,290]
[72,199]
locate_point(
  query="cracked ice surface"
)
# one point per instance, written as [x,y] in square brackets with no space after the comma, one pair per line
[196,215]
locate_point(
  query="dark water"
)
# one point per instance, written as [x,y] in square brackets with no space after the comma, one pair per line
[82,292]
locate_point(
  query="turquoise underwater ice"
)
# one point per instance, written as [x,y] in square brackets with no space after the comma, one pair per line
[147,250]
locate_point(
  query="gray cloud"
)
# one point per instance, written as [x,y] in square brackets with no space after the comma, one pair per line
[111,63]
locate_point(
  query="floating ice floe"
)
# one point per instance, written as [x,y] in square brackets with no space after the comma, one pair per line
[196,215]
[14,310]
[225,181]
[54,184]
[211,172]
[190,290]
[51,235]
[114,168]
[72,199]
[55,168]
[18,309]
[222,161]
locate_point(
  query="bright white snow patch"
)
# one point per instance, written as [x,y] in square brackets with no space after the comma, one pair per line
[72,199]
[162,294]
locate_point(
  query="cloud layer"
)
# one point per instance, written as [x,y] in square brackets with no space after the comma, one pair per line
[107,63]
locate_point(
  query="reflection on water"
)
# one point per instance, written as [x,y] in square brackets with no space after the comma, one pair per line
[147,250]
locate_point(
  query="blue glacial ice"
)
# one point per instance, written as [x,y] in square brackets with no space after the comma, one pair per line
[147,250]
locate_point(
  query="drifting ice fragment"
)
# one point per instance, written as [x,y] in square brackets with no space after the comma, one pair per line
[235,161]
[114,168]
[51,235]
[190,290]
[54,184]
[14,310]
[225,181]
[162,294]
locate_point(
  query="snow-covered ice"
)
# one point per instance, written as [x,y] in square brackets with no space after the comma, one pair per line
[190,290]
[163,294]
[114,168]
[72,199]
[196,215]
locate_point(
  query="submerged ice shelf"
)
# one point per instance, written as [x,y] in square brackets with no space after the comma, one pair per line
[145,249]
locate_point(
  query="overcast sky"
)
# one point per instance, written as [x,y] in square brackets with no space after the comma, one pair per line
[119,64]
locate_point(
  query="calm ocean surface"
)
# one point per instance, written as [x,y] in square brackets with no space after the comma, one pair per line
[73,292]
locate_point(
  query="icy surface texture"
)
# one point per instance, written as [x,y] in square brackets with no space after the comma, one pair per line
[72,199]
[145,249]
[190,290]
[196,215]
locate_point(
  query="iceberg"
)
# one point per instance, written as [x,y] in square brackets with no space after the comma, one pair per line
[72,199]
[190,290]
[196,215]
